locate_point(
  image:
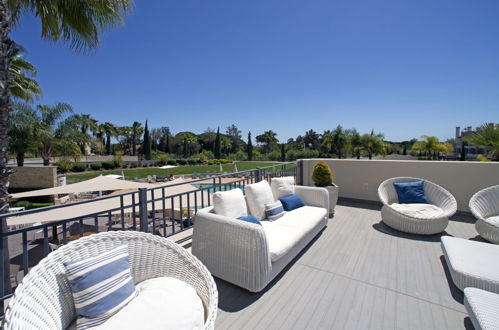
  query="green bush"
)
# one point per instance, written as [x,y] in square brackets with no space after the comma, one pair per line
[109,165]
[29,205]
[64,165]
[192,161]
[118,161]
[181,162]
[96,166]
[322,175]
[161,159]
[78,167]
[205,155]
[171,162]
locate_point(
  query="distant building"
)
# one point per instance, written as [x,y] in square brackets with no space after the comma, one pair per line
[471,151]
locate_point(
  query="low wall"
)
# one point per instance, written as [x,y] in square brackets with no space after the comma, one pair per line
[31,162]
[32,177]
[360,179]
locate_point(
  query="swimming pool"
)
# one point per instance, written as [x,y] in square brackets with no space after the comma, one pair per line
[223,187]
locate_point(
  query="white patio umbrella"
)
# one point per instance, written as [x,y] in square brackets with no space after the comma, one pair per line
[100,183]
[106,204]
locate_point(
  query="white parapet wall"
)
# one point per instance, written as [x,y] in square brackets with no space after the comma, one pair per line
[360,179]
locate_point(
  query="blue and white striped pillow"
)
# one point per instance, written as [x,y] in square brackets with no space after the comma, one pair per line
[101,286]
[274,211]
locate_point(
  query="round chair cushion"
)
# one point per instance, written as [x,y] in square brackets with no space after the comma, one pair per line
[161,303]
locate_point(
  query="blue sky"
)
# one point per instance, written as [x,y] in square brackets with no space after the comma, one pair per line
[404,68]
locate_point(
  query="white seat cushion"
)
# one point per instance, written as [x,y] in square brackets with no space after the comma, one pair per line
[483,307]
[472,263]
[282,186]
[284,233]
[419,211]
[493,220]
[230,203]
[257,195]
[162,303]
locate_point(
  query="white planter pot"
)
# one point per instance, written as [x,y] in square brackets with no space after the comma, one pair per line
[333,197]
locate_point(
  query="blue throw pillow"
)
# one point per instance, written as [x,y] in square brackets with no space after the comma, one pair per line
[291,202]
[100,285]
[250,218]
[411,192]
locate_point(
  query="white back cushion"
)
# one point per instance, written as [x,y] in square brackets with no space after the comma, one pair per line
[282,186]
[230,203]
[257,195]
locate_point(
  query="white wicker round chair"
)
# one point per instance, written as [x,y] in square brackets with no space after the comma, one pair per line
[43,300]
[435,194]
[484,205]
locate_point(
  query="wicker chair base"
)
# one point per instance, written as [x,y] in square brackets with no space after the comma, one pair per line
[410,225]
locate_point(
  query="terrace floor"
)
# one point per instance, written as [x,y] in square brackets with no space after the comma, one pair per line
[357,274]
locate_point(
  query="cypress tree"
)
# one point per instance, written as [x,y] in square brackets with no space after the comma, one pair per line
[186,152]
[218,152]
[283,152]
[463,151]
[147,144]
[250,147]
[168,147]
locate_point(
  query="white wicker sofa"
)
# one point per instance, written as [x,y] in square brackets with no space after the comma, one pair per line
[426,222]
[485,207]
[44,301]
[251,255]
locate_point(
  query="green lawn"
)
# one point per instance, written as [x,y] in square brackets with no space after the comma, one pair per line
[131,174]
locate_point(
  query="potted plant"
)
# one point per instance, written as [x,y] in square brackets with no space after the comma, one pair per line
[323,177]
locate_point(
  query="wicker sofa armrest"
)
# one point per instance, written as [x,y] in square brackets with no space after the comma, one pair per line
[314,196]
[233,250]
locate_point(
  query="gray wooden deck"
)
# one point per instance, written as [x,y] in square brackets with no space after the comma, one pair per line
[357,274]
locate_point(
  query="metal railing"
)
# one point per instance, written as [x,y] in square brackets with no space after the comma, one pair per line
[152,210]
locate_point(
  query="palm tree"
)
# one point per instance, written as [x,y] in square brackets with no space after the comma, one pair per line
[77,24]
[311,139]
[136,132]
[486,135]
[372,143]
[190,139]
[22,131]
[354,142]
[23,86]
[55,126]
[327,141]
[86,123]
[268,139]
[429,145]
[339,140]
[110,130]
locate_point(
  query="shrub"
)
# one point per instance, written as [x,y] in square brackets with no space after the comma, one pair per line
[171,162]
[205,155]
[78,167]
[29,205]
[192,161]
[133,165]
[322,175]
[482,158]
[161,159]
[181,162]
[96,166]
[109,165]
[274,155]
[118,161]
[64,165]
[145,165]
